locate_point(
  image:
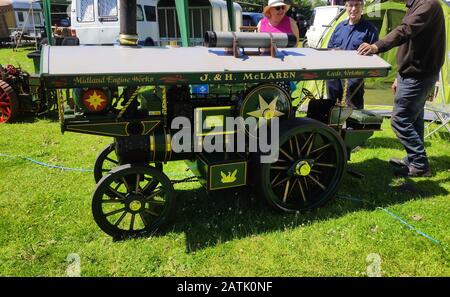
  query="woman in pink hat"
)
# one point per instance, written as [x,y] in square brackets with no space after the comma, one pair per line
[276,20]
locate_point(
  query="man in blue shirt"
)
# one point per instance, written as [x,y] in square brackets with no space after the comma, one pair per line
[349,35]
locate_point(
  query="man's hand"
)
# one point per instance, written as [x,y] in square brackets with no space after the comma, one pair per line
[394,86]
[367,49]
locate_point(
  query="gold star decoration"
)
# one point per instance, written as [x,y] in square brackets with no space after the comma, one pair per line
[266,111]
[95,100]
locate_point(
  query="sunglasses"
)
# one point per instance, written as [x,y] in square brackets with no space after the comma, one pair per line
[280,7]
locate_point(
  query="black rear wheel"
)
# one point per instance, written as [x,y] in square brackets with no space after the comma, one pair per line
[309,169]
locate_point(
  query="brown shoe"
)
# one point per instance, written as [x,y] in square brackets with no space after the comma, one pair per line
[411,171]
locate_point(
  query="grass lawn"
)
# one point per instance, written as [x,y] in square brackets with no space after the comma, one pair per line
[45,218]
[17,58]
[46,215]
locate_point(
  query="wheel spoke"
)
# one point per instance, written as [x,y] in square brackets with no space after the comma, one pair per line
[280,182]
[153,194]
[114,212]
[310,145]
[307,142]
[287,155]
[319,156]
[321,148]
[297,146]
[132,221]
[292,187]
[144,220]
[276,177]
[286,190]
[325,165]
[138,179]
[126,184]
[301,189]
[120,219]
[116,193]
[281,161]
[317,182]
[291,147]
[279,167]
[157,202]
[151,212]
[112,161]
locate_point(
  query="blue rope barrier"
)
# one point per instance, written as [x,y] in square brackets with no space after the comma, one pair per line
[345,197]
[47,165]
[409,226]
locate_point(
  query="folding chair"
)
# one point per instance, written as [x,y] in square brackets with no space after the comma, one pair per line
[441,110]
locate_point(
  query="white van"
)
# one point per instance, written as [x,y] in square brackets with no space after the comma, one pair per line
[320,22]
[97,21]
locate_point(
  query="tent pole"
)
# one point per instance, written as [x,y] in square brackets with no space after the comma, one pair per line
[231,16]
[48,20]
[183,20]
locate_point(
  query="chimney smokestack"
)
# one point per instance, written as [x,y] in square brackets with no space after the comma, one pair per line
[128,29]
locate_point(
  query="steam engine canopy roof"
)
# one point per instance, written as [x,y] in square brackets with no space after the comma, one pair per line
[200,65]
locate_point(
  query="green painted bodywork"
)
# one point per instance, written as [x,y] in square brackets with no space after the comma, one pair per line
[113,128]
[202,78]
[220,170]
[361,125]
[213,120]
[354,138]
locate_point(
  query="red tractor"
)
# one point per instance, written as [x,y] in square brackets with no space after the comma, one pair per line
[21,93]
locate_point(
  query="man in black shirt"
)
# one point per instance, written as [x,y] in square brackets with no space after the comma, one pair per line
[421,54]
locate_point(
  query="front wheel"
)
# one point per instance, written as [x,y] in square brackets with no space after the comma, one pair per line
[311,164]
[133,210]
[107,160]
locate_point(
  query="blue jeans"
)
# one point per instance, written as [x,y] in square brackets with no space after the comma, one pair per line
[407,117]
